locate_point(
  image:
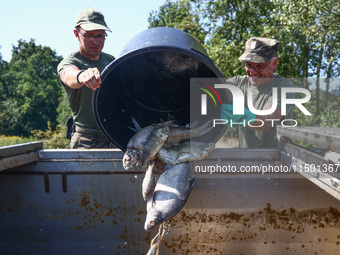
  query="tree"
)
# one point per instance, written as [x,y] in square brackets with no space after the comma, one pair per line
[230,24]
[182,14]
[63,110]
[4,94]
[3,80]
[31,89]
[308,31]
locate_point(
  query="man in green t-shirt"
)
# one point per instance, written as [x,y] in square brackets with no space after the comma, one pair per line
[260,61]
[80,75]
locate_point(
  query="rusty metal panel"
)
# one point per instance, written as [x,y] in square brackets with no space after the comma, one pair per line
[12,150]
[93,154]
[245,155]
[98,214]
[17,160]
[273,215]
[20,154]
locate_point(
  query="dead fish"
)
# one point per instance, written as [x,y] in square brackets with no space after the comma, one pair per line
[145,144]
[154,249]
[185,152]
[156,242]
[155,245]
[170,195]
[149,181]
[179,134]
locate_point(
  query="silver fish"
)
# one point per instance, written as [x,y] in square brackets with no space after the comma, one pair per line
[156,242]
[154,249]
[185,152]
[145,144]
[170,195]
[149,182]
[155,169]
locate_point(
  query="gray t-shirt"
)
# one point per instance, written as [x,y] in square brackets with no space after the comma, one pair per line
[80,100]
[262,95]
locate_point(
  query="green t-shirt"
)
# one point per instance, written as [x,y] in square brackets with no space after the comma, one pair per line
[80,100]
[249,138]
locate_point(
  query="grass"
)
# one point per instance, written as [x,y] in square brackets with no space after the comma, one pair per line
[12,140]
[52,139]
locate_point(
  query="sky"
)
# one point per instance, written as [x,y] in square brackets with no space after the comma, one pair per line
[51,23]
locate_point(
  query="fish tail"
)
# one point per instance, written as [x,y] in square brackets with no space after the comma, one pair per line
[201,130]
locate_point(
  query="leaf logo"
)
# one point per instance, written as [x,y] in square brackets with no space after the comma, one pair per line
[210,94]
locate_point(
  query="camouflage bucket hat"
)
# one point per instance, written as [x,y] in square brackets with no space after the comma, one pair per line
[90,19]
[260,49]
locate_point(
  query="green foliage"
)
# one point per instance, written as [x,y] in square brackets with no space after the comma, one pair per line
[308,31]
[181,15]
[30,89]
[52,139]
[330,112]
[63,110]
[12,140]
[231,24]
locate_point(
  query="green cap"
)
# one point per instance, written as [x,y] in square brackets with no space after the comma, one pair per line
[90,19]
[260,49]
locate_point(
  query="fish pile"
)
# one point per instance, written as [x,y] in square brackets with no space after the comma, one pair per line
[154,141]
[165,150]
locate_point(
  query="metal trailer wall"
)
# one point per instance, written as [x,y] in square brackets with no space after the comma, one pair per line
[84,202]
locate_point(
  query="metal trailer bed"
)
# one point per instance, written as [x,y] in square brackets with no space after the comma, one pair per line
[84,202]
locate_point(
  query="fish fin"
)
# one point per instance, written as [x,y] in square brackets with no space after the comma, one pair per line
[136,127]
[136,124]
[191,186]
[167,124]
[201,130]
[192,182]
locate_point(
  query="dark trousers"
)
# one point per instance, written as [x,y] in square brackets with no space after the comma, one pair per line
[86,138]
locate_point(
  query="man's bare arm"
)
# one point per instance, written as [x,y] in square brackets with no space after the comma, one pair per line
[74,78]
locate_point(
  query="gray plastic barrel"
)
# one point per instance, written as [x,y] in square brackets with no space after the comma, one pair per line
[150,82]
